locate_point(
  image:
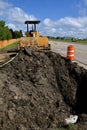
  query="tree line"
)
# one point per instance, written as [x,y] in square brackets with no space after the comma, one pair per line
[68,39]
[6,33]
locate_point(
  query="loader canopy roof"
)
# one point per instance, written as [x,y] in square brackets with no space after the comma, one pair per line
[32,22]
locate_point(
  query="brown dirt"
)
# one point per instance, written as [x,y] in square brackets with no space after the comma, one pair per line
[38,90]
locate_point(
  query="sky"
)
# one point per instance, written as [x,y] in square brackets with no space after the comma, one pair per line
[58,17]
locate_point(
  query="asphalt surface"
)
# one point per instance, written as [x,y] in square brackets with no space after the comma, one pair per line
[80,53]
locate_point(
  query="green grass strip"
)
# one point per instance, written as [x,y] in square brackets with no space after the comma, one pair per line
[13,45]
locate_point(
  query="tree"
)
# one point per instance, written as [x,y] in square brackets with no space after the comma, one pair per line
[5,33]
[21,35]
[16,34]
[2,23]
[9,35]
[13,34]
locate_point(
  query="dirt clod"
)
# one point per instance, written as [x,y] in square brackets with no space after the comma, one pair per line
[38,90]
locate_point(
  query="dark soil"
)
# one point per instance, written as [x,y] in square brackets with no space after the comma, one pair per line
[38,90]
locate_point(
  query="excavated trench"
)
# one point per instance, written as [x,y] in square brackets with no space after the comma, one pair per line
[81,95]
[39,90]
[74,78]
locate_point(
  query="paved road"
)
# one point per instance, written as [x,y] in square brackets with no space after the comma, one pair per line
[80,51]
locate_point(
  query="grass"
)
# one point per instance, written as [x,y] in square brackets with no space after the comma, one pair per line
[13,45]
[73,127]
[69,127]
[69,40]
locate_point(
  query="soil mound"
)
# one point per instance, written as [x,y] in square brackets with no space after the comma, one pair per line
[38,90]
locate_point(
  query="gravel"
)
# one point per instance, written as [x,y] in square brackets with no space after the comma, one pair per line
[80,51]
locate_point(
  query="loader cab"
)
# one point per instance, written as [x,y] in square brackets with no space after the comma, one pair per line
[32,32]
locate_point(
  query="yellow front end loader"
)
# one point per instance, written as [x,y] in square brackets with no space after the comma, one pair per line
[33,37]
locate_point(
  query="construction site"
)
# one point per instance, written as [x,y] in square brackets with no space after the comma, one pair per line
[40,89]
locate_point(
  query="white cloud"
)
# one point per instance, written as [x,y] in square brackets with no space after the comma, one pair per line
[14,16]
[48,22]
[11,26]
[69,21]
[4,5]
[17,15]
[53,30]
[67,26]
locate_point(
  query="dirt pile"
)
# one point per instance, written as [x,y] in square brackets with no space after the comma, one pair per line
[38,90]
